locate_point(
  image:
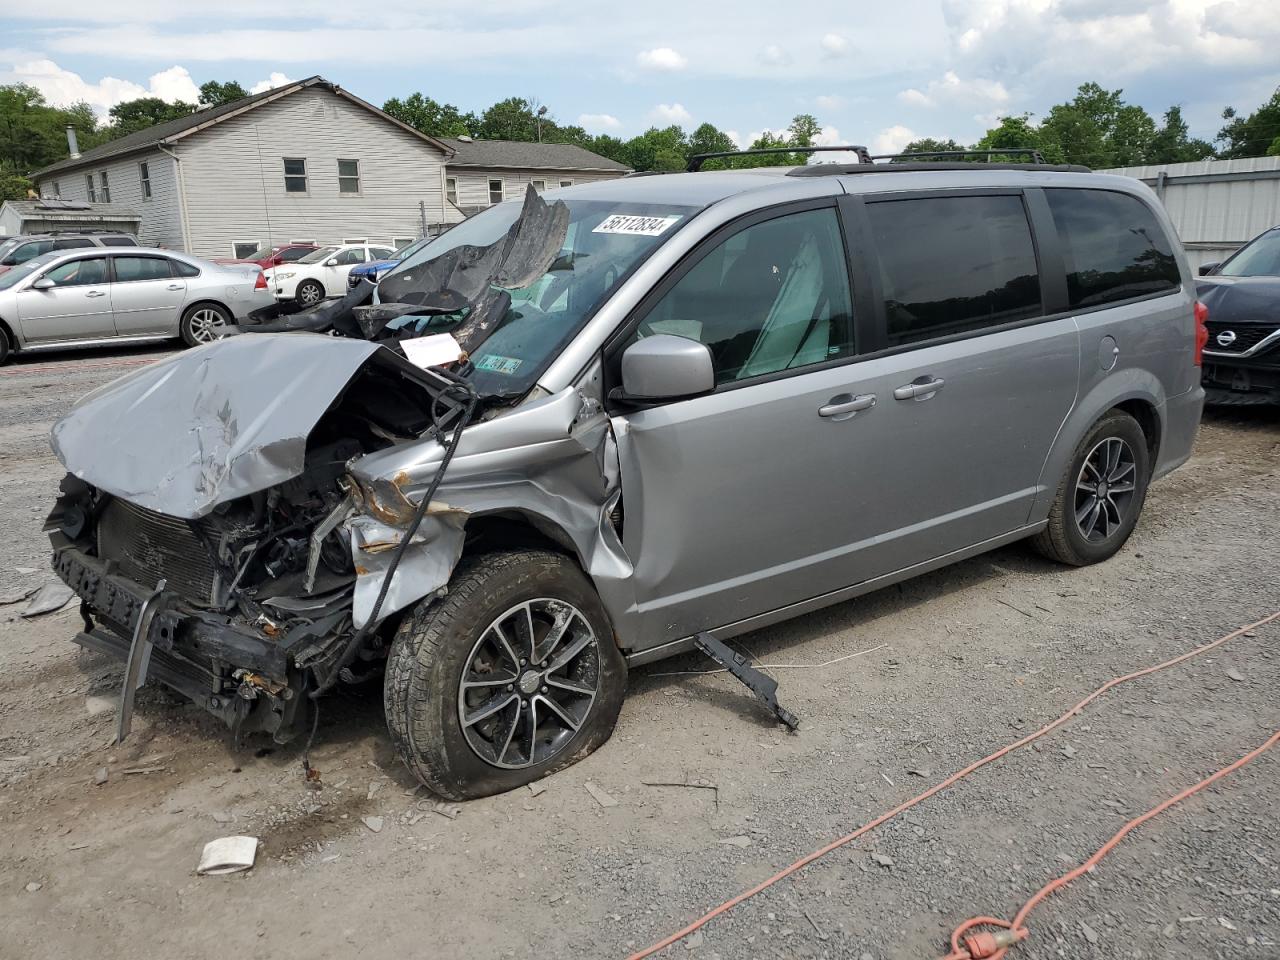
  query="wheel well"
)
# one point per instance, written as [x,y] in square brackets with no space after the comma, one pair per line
[208,303]
[505,531]
[1148,420]
[9,335]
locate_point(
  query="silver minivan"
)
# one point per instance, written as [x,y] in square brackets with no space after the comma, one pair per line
[593,429]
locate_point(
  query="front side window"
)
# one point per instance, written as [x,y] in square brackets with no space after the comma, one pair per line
[295,175]
[144,177]
[772,297]
[496,192]
[348,176]
[1261,258]
[347,258]
[1113,247]
[129,269]
[106,187]
[79,273]
[89,189]
[952,265]
[451,189]
[380,253]
[26,251]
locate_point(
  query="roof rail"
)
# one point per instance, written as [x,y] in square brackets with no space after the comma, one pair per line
[1035,155]
[696,161]
[928,166]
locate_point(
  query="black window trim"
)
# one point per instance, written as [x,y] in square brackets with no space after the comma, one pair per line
[610,353]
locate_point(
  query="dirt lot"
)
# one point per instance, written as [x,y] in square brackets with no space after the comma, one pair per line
[961,661]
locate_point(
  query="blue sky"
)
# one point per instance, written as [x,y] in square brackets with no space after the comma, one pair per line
[873,73]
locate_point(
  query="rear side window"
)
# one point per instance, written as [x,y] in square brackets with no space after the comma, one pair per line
[119,241]
[184,269]
[141,268]
[71,243]
[1113,247]
[953,265]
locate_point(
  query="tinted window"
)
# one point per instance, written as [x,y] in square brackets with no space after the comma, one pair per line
[79,273]
[1260,258]
[184,269]
[771,297]
[380,253]
[119,242]
[348,257]
[290,254]
[1113,247]
[954,264]
[71,243]
[141,268]
[28,250]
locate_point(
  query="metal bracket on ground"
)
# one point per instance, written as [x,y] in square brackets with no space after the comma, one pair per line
[766,688]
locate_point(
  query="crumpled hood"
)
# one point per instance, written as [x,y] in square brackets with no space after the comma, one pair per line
[208,425]
[1241,299]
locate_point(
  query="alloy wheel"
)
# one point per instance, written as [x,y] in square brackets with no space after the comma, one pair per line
[310,294]
[529,683]
[207,325]
[1105,489]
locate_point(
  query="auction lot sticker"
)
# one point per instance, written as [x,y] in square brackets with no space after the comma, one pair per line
[636,226]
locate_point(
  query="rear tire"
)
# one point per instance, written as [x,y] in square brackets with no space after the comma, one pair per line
[1101,495]
[309,293]
[491,735]
[5,346]
[203,323]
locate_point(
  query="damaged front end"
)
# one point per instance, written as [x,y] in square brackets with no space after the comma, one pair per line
[223,552]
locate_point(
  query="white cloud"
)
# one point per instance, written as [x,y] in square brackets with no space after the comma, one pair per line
[276,79]
[669,113]
[952,90]
[62,87]
[661,58]
[829,102]
[774,56]
[830,137]
[834,45]
[735,137]
[598,121]
[892,139]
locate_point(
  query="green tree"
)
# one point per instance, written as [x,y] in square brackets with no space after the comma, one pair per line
[134,115]
[1098,129]
[657,149]
[431,117]
[13,187]
[931,145]
[513,119]
[215,94]
[1173,143]
[1019,133]
[33,134]
[804,130]
[1251,136]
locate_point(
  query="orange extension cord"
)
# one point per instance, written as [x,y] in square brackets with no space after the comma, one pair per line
[992,946]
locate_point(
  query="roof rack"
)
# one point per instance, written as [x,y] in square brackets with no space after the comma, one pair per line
[696,161]
[1036,156]
[928,166]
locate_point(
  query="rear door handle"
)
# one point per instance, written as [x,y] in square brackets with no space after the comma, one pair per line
[174,286]
[96,293]
[921,388]
[845,405]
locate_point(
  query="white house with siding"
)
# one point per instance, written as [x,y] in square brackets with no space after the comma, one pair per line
[308,161]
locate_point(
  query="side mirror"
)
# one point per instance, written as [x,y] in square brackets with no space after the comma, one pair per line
[331,262]
[44,283]
[1207,268]
[665,367]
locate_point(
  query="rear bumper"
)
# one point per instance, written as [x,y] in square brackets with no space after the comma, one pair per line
[1181,417]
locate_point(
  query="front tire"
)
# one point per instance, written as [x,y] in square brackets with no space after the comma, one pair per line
[1101,496]
[5,347]
[204,323]
[309,293]
[510,677]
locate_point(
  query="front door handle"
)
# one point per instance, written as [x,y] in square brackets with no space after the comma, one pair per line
[845,405]
[921,388]
[96,293]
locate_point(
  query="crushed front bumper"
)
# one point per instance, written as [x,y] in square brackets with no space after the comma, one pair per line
[246,679]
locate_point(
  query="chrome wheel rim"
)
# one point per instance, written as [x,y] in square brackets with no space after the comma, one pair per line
[1105,489]
[309,293]
[529,684]
[207,325]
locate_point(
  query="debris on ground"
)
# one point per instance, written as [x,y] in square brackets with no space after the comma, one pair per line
[16,595]
[97,705]
[537,788]
[33,886]
[738,841]
[100,776]
[449,810]
[600,796]
[883,860]
[373,823]
[50,597]
[227,855]
[1234,674]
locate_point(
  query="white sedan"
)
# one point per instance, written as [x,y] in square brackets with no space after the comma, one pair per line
[321,273]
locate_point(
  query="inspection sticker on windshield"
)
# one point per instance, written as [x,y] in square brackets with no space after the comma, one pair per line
[496,364]
[634,225]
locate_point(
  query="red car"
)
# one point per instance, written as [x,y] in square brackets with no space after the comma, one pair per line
[268,256]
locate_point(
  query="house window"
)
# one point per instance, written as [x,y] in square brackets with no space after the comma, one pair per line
[348,176]
[566,183]
[539,185]
[242,249]
[451,189]
[106,189]
[144,177]
[496,191]
[57,189]
[399,242]
[295,175]
[89,188]
[355,240]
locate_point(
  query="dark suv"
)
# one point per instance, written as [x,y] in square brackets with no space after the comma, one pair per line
[18,250]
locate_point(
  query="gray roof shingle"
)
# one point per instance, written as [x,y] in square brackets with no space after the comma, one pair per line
[35,210]
[537,156]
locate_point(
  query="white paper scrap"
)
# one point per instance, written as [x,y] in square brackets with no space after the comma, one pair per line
[432,351]
[227,855]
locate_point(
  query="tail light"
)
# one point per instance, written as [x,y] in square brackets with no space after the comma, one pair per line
[261,284]
[1202,331]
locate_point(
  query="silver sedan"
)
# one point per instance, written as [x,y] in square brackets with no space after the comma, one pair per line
[93,296]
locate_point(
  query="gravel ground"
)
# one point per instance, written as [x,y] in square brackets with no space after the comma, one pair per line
[959,662]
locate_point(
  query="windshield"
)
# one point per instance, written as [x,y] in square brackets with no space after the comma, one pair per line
[1261,258]
[318,256]
[15,276]
[514,331]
